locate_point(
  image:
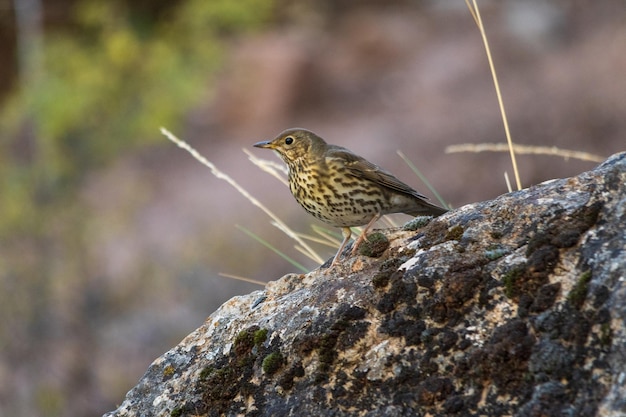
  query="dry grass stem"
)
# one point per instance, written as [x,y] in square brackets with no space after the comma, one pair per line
[423,179]
[333,243]
[220,175]
[471,10]
[476,15]
[508,182]
[304,252]
[244,279]
[329,235]
[276,170]
[273,248]
[525,150]
[310,253]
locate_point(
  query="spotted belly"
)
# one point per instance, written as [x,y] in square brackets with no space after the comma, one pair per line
[339,205]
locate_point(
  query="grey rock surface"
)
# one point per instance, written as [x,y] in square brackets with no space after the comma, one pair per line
[515,306]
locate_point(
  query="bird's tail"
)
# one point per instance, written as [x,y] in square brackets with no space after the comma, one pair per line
[427,209]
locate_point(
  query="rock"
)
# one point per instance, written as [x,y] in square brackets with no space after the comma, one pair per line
[515,306]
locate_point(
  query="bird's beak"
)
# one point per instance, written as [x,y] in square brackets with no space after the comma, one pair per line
[265,144]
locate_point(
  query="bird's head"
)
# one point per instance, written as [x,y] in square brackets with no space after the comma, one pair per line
[296,144]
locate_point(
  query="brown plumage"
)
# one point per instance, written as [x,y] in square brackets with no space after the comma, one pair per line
[343,189]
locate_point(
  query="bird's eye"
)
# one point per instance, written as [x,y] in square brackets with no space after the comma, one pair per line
[288,140]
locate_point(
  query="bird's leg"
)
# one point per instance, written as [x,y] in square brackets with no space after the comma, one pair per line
[346,232]
[363,234]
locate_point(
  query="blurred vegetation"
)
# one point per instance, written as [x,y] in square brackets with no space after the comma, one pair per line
[110,75]
[109,81]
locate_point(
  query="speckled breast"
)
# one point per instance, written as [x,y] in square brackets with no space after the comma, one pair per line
[336,198]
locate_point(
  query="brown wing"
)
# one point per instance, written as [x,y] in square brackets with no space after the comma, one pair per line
[362,168]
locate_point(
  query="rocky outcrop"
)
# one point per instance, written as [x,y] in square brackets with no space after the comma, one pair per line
[515,306]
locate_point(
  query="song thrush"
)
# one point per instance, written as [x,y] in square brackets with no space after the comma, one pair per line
[343,189]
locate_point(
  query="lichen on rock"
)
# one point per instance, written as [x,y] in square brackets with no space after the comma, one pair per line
[515,306]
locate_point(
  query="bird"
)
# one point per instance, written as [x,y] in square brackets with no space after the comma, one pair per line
[343,189]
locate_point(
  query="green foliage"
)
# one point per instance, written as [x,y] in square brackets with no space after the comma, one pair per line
[226,15]
[110,86]
[106,84]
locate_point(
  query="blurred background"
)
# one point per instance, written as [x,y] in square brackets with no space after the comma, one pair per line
[112,238]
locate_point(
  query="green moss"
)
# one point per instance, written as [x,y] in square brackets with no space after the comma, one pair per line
[206,373]
[177,412]
[224,374]
[260,336]
[244,341]
[220,385]
[231,375]
[509,280]
[243,337]
[374,245]
[272,363]
[245,361]
[579,292]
